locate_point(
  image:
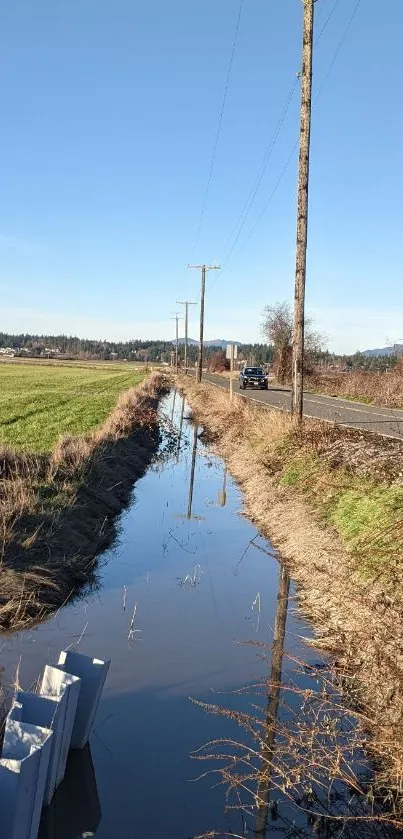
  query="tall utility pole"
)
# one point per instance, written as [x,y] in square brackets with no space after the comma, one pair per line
[204,269]
[186,304]
[302,214]
[176,318]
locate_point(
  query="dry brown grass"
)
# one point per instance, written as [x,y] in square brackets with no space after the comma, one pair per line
[385,389]
[300,745]
[358,619]
[58,513]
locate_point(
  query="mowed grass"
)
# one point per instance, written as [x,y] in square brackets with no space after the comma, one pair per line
[39,403]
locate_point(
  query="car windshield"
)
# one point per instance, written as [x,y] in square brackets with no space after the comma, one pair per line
[253,371]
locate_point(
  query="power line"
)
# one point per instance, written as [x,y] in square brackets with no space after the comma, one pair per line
[266,159]
[291,155]
[328,19]
[220,121]
[339,48]
[240,223]
[260,175]
[270,198]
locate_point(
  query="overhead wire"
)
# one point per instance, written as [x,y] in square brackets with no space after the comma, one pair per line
[327,21]
[339,48]
[249,202]
[238,227]
[291,155]
[218,133]
[267,156]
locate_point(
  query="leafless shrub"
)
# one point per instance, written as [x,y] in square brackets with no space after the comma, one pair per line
[302,746]
[277,327]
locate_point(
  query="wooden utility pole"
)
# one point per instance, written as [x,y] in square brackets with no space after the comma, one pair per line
[232,353]
[186,304]
[204,269]
[302,213]
[176,318]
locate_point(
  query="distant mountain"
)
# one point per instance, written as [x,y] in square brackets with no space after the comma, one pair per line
[216,342]
[397,349]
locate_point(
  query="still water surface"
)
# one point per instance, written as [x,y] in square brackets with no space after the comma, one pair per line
[186,565]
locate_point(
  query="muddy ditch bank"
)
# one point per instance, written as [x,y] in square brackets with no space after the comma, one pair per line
[58,513]
[359,622]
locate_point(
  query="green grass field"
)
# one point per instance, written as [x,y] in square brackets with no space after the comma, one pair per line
[40,402]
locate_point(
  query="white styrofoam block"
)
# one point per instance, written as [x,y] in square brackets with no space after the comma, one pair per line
[54,684]
[19,770]
[19,739]
[92,672]
[47,712]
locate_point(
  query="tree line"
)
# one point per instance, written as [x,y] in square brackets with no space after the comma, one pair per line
[140,350]
[275,350]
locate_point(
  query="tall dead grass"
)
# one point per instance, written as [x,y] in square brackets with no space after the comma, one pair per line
[302,758]
[359,619]
[385,389]
[58,513]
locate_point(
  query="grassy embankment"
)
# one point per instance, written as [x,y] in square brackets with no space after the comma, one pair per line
[331,501]
[384,389]
[80,440]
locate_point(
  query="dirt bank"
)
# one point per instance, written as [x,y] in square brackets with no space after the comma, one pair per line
[58,513]
[330,500]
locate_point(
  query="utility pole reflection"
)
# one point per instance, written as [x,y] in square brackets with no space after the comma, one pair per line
[192,473]
[180,428]
[222,495]
[173,408]
[274,689]
[189,515]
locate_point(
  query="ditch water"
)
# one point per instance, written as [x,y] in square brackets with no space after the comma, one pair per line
[189,580]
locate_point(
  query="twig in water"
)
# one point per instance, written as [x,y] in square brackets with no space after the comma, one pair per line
[16,684]
[192,579]
[76,643]
[132,630]
[124,598]
[181,545]
[82,634]
[251,542]
[256,605]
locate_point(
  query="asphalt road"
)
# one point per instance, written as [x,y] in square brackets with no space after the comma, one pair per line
[385,421]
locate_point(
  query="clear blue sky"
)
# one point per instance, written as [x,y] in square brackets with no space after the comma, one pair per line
[109,116]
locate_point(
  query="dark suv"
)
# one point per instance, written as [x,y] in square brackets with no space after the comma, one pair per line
[253,377]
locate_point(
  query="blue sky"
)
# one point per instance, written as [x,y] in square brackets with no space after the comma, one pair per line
[109,117]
